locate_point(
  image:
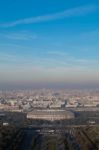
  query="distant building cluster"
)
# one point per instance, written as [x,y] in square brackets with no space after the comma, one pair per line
[28,100]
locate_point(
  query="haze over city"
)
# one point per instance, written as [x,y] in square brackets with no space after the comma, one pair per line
[49,44]
[49,75]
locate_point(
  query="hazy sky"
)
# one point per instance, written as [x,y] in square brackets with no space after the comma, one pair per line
[46,42]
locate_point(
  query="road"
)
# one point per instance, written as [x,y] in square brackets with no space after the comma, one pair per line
[29,136]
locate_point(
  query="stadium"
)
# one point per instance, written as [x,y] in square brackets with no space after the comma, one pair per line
[50,114]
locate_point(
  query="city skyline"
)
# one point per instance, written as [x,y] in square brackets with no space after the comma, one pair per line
[49,44]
